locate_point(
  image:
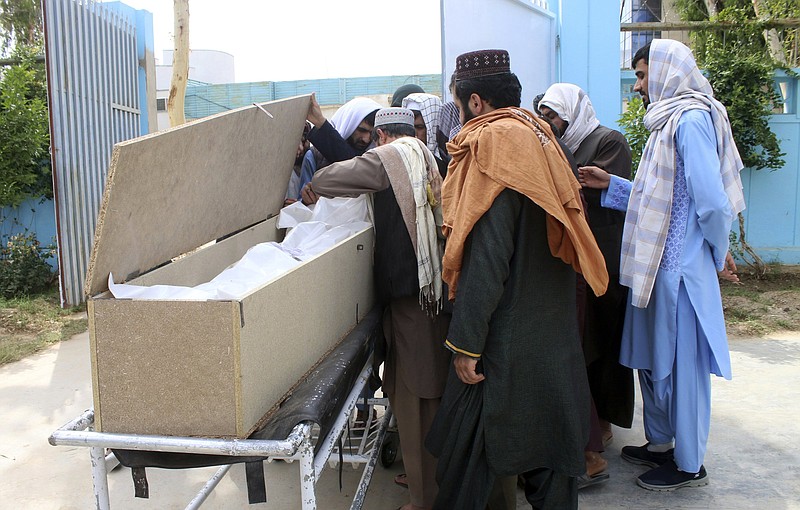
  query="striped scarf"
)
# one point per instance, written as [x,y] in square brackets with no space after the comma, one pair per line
[417,187]
[429,106]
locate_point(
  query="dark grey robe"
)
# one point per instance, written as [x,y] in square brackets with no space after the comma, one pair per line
[610,382]
[515,306]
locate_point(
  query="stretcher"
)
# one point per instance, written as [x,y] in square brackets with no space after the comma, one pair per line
[317,420]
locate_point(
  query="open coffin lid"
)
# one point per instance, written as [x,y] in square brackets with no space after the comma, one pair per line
[170,192]
[210,368]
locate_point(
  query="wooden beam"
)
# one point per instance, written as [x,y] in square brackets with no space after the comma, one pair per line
[705,25]
[17,61]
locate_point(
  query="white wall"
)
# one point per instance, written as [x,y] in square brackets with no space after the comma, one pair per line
[522,27]
[209,66]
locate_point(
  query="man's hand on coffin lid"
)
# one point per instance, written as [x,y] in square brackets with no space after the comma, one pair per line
[308,195]
[315,115]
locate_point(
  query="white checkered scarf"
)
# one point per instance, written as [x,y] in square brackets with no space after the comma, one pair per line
[426,188]
[449,120]
[430,107]
[675,85]
[572,104]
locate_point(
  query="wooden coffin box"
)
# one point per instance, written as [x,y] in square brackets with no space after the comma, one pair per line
[210,368]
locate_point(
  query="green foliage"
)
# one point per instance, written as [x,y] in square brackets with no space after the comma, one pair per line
[24,125]
[734,246]
[632,122]
[745,84]
[24,135]
[23,266]
[692,10]
[740,68]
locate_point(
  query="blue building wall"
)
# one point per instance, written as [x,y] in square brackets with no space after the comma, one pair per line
[772,218]
[33,215]
[588,52]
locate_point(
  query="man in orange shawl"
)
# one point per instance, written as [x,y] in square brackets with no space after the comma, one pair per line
[517,401]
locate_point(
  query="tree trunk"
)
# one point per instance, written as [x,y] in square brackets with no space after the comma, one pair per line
[180,64]
[711,6]
[776,49]
[749,255]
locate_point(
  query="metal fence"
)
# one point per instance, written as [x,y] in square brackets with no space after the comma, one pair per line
[92,64]
[204,100]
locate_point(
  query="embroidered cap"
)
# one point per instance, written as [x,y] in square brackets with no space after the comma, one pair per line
[477,64]
[394,116]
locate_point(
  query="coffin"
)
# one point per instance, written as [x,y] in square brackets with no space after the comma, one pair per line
[178,208]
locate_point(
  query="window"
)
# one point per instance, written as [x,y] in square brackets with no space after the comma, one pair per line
[644,10]
[785,87]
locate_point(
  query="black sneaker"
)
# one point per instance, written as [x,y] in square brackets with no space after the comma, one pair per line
[668,478]
[642,456]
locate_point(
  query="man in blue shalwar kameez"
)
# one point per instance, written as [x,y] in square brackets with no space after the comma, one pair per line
[680,208]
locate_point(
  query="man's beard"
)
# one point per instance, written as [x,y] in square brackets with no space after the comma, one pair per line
[358,145]
[467,114]
[553,127]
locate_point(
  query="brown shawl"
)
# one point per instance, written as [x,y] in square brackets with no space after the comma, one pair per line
[511,148]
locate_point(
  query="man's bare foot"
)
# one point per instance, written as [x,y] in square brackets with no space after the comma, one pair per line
[595,463]
[401,480]
[608,435]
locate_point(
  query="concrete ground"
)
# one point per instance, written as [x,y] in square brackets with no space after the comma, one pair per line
[753,455]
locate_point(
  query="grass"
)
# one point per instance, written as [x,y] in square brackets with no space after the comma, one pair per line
[763,305]
[29,324]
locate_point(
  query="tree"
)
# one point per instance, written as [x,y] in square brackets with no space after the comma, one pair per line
[180,64]
[20,24]
[632,122]
[780,47]
[24,126]
[24,137]
[740,64]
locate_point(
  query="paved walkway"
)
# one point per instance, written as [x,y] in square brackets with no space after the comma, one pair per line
[753,456]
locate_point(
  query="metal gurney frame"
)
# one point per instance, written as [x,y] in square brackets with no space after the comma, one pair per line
[298,445]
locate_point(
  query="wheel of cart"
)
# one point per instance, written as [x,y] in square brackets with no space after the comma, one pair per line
[391,443]
[391,440]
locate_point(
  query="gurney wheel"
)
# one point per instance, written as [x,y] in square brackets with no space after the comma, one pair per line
[389,449]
